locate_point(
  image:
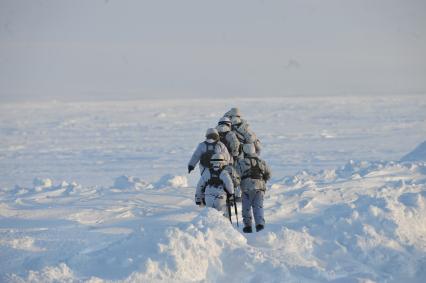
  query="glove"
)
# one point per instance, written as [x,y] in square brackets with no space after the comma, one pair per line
[200,201]
[190,168]
[230,199]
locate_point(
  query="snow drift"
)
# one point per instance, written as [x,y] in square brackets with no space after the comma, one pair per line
[362,222]
[418,154]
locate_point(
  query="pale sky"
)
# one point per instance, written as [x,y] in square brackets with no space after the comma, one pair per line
[77,50]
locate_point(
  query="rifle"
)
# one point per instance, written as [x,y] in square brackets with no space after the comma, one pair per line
[236,211]
[228,205]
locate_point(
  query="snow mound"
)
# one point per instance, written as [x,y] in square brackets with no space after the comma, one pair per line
[211,249]
[130,183]
[49,274]
[352,170]
[41,183]
[43,189]
[194,252]
[367,215]
[418,154]
[25,243]
[172,181]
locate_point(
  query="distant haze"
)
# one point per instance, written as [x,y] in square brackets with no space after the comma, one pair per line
[97,50]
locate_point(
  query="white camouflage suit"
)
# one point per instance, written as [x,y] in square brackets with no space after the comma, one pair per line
[246,135]
[242,130]
[214,194]
[202,148]
[253,189]
[233,144]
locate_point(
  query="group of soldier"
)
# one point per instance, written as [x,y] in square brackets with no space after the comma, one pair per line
[231,170]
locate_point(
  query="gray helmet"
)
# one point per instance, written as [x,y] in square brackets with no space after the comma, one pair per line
[217,161]
[249,148]
[236,120]
[224,125]
[212,133]
[225,121]
[224,128]
[233,112]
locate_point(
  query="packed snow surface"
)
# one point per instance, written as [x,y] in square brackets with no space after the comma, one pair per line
[99,192]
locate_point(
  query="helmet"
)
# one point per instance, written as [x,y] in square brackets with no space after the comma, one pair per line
[224,125]
[225,121]
[217,161]
[223,128]
[236,120]
[249,148]
[233,112]
[212,133]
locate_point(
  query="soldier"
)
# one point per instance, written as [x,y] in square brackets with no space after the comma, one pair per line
[230,140]
[254,174]
[244,134]
[215,186]
[228,137]
[235,112]
[242,129]
[206,149]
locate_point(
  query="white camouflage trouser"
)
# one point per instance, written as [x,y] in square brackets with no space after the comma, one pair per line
[217,201]
[253,199]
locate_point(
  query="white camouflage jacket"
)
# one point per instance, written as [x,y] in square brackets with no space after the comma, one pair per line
[202,148]
[203,187]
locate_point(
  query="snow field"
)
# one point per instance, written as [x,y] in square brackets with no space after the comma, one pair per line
[126,212]
[92,143]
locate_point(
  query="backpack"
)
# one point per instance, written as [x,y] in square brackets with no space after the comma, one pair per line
[240,135]
[207,156]
[222,138]
[255,172]
[234,175]
[215,180]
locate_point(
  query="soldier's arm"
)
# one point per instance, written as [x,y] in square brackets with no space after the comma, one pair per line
[237,177]
[258,146]
[196,155]
[225,153]
[240,169]
[227,181]
[267,175]
[234,144]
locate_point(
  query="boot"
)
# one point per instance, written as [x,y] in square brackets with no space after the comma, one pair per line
[259,227]
[247,229]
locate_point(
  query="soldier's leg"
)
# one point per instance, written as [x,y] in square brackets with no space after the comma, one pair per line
[237,189]
[209,200]
[220,204]
[246,205]
[258,207]
[238,194]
